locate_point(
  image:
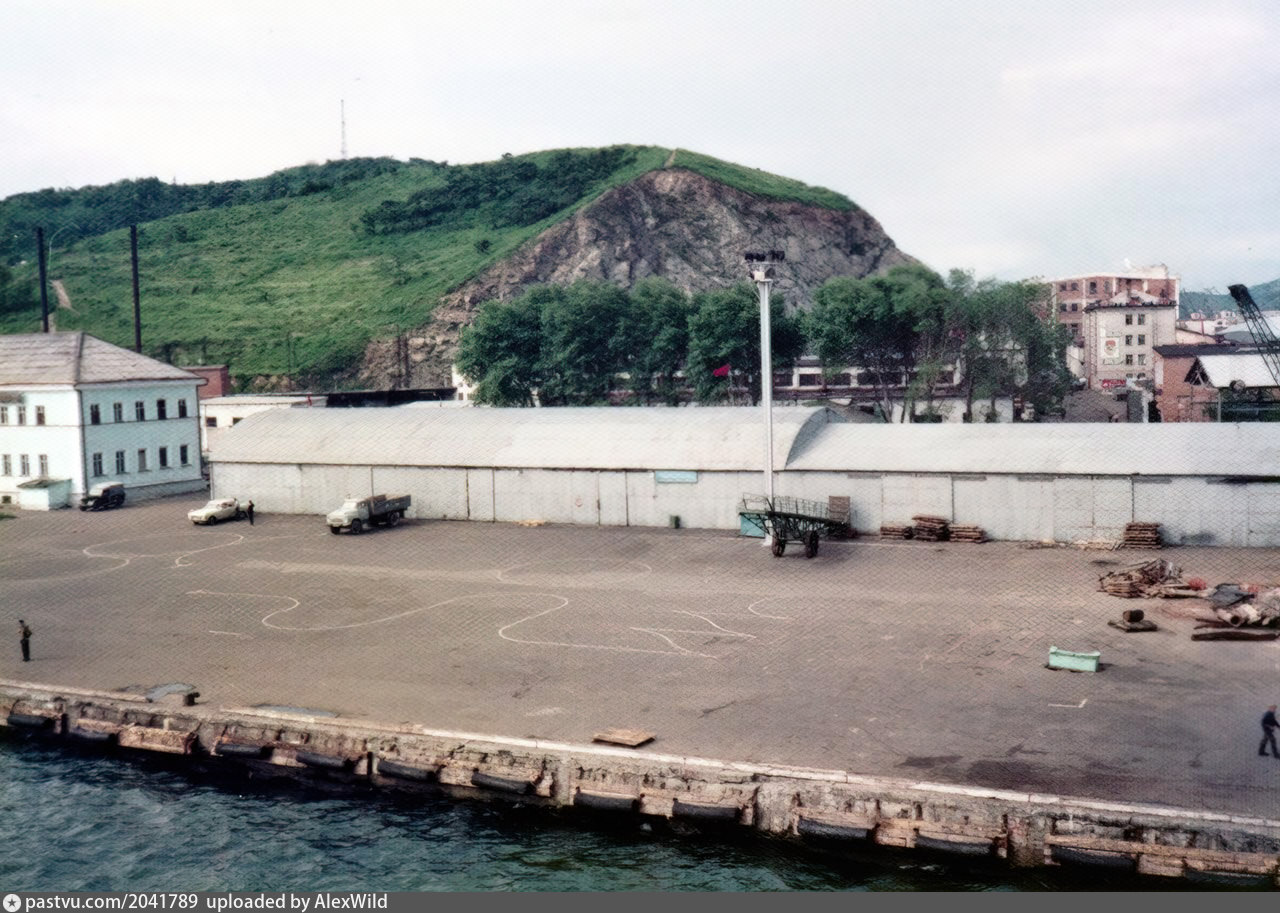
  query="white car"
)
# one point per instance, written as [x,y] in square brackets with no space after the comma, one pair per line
[215,510]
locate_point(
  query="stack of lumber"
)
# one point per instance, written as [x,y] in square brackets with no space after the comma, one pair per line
[1142,580]
[895,531]
[1142,535]
[931,529]
[960,533]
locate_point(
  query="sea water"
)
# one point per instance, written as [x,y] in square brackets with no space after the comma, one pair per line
[88,820]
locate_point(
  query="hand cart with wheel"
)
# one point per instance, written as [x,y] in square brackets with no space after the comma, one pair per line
[786,519]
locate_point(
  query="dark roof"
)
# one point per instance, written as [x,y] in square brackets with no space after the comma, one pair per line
[1194,349]
[77,358]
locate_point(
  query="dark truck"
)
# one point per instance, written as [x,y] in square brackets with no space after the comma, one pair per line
[103,496]
[376,510]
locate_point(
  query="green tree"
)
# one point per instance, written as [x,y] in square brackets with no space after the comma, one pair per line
[854,323]
[657,337]
[725,329]
[501,350]
[584,343]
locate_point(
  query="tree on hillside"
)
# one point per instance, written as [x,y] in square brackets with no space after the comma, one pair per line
[725,330]
[921,296]
[15,296]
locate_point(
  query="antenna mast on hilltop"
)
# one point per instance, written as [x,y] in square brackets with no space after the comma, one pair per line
[342,111]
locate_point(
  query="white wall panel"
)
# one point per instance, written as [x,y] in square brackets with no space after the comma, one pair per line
[437,494]
[1006,507]
[613,499]
[905,495]
[480,494]
[1264,513]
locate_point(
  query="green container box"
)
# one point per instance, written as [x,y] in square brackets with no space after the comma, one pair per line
[1073,660]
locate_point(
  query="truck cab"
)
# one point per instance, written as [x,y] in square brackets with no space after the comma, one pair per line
[102,496]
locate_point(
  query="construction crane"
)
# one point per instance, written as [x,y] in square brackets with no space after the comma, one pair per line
[1260,329]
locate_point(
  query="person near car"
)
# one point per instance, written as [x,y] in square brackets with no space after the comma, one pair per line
[248,510]
[24,632]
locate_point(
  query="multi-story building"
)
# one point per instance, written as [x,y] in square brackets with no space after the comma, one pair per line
[1117,320]
[79,410]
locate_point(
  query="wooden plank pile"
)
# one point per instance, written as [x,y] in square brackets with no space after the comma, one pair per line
[895,531]
[931,529]
[1142,535]
[1142,580]
[962,533]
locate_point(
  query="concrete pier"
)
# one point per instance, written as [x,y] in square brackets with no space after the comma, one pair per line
[1026,829]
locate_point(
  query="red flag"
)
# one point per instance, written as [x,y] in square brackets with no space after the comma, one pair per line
[722,371]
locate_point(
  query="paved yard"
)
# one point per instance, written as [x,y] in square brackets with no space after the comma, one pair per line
[905,659]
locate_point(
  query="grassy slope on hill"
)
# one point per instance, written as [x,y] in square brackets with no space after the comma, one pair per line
[295,285]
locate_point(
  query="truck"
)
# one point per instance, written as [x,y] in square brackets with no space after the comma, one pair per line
[376,510]
[103,496]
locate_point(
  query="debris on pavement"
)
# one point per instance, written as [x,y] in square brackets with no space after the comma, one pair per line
[1142,535]
[1133,620]
[1154,578]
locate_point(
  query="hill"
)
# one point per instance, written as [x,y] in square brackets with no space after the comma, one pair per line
[309,277]
[1266,295]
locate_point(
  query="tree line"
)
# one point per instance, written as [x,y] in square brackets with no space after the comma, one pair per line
[904,331]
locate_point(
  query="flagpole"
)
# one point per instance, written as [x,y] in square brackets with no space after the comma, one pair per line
[766,377]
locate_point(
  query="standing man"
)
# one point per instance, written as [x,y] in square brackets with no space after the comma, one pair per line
[248,509]
[25,633]
[1269,725]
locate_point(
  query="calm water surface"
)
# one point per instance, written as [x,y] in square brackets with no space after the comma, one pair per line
[86,821]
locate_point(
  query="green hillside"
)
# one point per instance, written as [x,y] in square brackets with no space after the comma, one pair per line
[292,274]
[1266,295]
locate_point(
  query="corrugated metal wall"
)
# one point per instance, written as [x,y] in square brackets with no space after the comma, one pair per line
[1192,511]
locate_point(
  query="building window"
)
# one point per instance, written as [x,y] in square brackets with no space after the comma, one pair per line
[1142,339]
[235,421]
[1142,359]
[164,457]
[1075,286]
[6,465]
[1062,286]
[140,411]
[1093,287]
[1142,318]
[162,409]
[4,415]
[39,415]
[1075,306]
[95,416]
[182,408]
[22,415]
[44,465]
[1128,319]
[142,459]
[1128,360]
[97,464]
[117,412]
[810,380]
[120,470]
[1063,307]
[24,465]
[183,455]
[1128,340]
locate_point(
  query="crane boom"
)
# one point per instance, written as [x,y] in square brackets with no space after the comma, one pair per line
[1259,329]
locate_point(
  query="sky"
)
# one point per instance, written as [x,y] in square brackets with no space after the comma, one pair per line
[1010,138]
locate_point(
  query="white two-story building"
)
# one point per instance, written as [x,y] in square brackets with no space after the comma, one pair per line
[79,411]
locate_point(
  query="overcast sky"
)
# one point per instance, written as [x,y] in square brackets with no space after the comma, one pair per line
[1013,139]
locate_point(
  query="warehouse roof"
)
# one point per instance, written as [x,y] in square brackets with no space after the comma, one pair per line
[28,359]
[718,438]
[1248,368]
[1192,448]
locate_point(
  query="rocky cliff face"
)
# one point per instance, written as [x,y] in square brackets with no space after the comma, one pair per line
[672,223]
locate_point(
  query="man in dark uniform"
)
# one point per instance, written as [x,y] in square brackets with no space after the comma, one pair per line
[1269,725]
[248,509]
[25,633]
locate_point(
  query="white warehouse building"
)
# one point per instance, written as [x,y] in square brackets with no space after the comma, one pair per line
[1210,484]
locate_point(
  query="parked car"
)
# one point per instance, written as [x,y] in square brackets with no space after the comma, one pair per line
[215,510]
[102,496]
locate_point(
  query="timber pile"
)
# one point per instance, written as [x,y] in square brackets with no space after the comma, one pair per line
[961,533]
[895,531]
[1142,535]
[1141,580]
[931,529]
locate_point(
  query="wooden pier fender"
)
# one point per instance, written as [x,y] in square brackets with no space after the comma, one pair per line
[1204,865]
[46,716]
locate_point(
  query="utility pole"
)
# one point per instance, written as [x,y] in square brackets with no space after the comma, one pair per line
[342,113]
[44,291]
[762,275]
[137,307]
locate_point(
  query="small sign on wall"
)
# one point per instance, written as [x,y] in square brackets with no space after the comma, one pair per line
[682,476]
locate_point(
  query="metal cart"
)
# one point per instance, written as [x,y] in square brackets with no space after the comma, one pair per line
[785,519]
